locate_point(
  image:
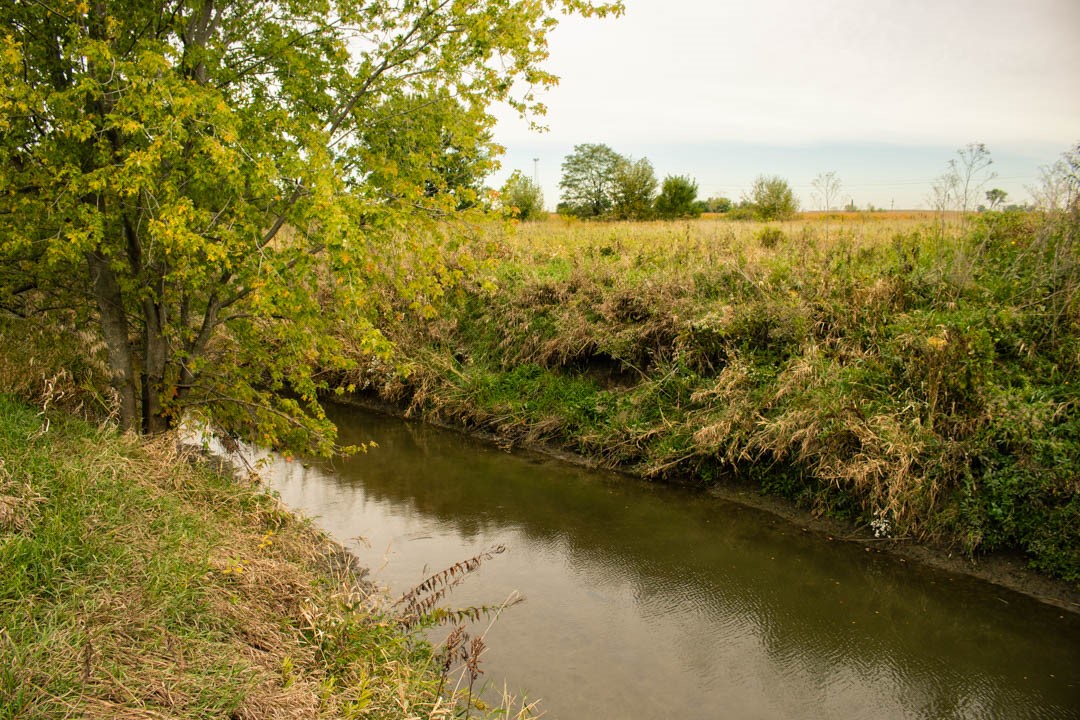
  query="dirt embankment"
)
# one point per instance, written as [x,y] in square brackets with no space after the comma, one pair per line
[1004,570]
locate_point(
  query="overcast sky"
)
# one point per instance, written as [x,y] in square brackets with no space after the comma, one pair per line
[881,91]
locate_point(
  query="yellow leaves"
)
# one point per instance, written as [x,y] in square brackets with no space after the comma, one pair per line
[79,130]
[233,566]
[128,125]
[937,342]
[267,540]
[10,52]
[179,233]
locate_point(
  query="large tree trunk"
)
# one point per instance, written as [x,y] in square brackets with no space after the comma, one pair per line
[114,330]
[155,357]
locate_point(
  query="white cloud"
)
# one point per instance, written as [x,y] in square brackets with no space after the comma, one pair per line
[720,89]
[835,71]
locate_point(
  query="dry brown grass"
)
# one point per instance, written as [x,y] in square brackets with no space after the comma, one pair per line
[708,239]
[179,594]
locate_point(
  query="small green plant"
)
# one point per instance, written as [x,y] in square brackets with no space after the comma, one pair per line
[770,237]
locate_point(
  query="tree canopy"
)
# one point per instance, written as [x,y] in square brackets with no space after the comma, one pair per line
[587,182]
[996,197]
[633,189]
[521,198]
[678,198]
[214,183]
[772,198]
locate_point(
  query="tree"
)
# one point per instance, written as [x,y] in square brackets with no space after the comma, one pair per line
[522,198]
[678,196]
[718,205]
[772,198]
[452,168]
[971,172]
[1059,183]
[588,176]
[826,189]
[633,189]
[214,184]
[942,195]
[995,197]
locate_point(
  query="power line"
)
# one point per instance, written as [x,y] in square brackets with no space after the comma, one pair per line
[895,183]
[904,182]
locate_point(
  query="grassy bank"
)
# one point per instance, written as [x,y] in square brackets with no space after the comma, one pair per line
[134,584]
[914,378]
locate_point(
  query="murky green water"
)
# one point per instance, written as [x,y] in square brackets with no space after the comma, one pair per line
[651,602]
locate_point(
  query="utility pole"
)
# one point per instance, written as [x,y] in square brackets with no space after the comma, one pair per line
[536,172]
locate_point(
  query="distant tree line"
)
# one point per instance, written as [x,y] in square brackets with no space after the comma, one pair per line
[598,182]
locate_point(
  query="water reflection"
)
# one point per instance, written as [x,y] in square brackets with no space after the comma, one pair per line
[646,601]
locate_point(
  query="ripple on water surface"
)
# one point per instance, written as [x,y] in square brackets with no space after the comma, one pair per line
[648,602]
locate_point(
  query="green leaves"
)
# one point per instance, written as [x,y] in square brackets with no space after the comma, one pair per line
[772,198]
[678,197]
[221,182]
[587,182]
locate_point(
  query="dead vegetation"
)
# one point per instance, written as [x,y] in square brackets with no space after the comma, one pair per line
[136,584]
[881,374]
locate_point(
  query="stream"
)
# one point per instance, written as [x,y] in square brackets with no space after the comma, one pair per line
[646,601]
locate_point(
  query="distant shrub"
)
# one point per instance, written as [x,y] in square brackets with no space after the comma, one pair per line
[742,211]
[718,205]
[522,198]
[770,237]
[772,198]
[677,198]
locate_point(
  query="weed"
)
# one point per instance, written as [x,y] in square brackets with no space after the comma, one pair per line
[120,594]
[770,237]
[868,365]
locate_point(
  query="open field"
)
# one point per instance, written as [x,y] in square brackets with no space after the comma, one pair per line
[915,379]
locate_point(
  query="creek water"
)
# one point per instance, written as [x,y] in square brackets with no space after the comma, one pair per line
[644,601]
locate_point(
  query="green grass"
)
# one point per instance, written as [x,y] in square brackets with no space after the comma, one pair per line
[133,584]
[885,372]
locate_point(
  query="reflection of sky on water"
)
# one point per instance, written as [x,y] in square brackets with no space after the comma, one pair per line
[647,602]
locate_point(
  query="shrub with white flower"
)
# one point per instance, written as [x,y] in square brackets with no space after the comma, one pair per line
[880,524]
